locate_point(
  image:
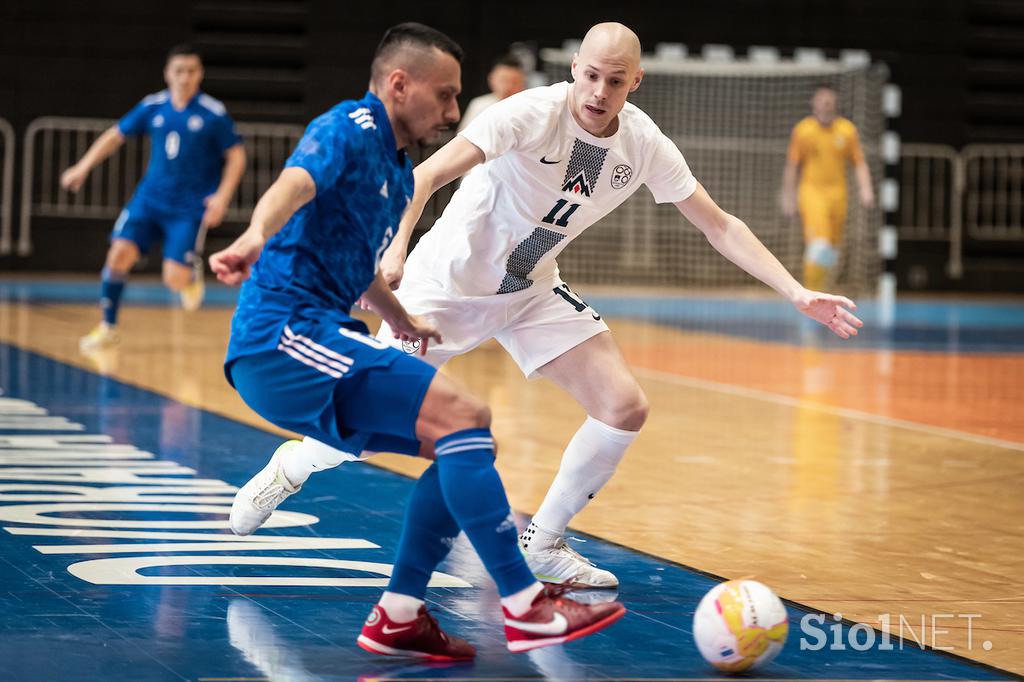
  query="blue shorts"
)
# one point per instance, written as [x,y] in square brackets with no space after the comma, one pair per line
[143,224]
[337,385]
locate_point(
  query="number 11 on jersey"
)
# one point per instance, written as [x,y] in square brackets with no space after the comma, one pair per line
[552,218]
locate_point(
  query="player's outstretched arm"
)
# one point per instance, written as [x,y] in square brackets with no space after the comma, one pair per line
[867,191]
[105,145]
[733,239]
[406,327]
[218,202]
[451,161]
[292,190]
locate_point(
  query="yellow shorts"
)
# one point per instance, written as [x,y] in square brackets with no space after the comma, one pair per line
[823,212]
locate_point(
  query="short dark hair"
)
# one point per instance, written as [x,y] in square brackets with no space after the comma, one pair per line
[183,50]
[410,34]
[509,60]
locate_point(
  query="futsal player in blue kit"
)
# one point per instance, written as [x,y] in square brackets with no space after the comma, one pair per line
[301,361]
[195,164]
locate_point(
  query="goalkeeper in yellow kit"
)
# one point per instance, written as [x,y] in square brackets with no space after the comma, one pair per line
[819,148]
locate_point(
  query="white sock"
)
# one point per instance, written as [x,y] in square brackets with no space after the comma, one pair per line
[309,457]
[534,537]
[401,608]
[519,603]
[589,461]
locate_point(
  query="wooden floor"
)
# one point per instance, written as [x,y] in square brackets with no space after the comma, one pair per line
[863,483]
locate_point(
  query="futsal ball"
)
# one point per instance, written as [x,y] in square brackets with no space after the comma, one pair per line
[740,625]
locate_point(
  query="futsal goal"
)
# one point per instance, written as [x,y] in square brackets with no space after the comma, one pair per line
[732,120]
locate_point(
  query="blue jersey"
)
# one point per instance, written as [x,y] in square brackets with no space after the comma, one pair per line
[187,151]
[327,254]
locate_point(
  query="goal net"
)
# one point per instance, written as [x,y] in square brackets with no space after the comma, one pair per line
[732,120]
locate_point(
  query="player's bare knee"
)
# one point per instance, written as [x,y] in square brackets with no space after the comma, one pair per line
[176,278]
[448,407]
[121,257]
[470,412]
[630,411]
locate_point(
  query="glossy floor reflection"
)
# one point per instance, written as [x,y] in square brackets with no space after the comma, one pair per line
[187,616]
[755,463]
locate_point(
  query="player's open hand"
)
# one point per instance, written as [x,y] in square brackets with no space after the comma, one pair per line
[233,264]
[216,207]
[73,178]
[392,265]
[831,311]
[415,328]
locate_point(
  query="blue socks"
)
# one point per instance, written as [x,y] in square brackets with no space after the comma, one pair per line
[427,536]
[110,294]
[476,498]
[461,490]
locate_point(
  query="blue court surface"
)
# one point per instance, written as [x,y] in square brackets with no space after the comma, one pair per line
[952,326]
[116,563]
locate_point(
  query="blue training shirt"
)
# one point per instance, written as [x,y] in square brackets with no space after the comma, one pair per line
[187,152]
[327,254]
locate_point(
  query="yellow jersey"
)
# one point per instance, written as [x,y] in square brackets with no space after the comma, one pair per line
[822,151]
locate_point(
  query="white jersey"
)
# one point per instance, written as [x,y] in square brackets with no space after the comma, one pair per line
[544,180]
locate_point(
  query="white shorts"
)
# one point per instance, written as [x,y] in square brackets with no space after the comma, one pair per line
[535,326]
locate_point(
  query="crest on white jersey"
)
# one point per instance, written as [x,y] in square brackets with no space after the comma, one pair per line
[584,168]
[621,175]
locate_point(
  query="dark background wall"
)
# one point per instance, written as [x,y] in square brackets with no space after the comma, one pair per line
[960,63]
[295,58]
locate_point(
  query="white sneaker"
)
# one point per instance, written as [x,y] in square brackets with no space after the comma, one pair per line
[264,492]
[563,565]
[102,336]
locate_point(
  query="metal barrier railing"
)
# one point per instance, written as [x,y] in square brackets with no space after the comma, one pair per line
[931,190]
[994,191]
[6,186]
[52,144]
[943,194]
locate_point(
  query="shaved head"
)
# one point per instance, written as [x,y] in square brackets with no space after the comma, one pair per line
[612,42]
[604,72]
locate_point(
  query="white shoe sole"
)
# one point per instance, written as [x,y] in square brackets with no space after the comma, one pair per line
[521,645]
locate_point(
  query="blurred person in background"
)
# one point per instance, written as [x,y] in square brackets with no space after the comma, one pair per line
[195,163]
[506,78]
[819,148]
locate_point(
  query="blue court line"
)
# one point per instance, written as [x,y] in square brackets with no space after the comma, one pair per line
[952,327]
[144,632]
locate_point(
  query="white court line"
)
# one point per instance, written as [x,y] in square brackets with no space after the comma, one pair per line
[766,396]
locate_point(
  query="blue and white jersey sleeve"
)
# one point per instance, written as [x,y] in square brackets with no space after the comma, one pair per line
[225,134]
[321,152]
[136,121]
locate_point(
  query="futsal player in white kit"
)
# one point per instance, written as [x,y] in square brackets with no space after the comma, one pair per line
[546,164]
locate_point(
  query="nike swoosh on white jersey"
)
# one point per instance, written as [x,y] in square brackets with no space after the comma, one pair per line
[556,626]
[390,631]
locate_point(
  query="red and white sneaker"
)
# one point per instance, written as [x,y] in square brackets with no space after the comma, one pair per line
[419,638]
[554,618]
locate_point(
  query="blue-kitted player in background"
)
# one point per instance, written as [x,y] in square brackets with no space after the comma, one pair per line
[195,164]
[299,359]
